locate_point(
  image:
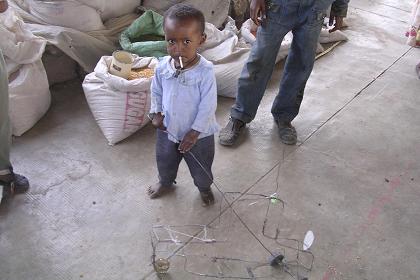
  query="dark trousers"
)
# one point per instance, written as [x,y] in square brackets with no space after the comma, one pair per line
[5,136]
[168,159]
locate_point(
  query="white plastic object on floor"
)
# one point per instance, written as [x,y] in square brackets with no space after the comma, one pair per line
[308,240]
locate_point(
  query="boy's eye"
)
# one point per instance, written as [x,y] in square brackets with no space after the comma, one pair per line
[186,41]
[171,42]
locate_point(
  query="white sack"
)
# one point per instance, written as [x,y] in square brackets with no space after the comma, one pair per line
[86,48]
[227,54]
[112,9]
[18,44]
[66,13]
[215,11]
[81,47]
[228,73]
[119,106]
[29,97]
[326,37]
[29,94]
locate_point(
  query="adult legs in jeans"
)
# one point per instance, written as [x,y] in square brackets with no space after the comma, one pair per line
[254,78]
[299,65]
[257,71]
[305,22]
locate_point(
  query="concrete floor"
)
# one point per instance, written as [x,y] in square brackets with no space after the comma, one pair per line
[353,179]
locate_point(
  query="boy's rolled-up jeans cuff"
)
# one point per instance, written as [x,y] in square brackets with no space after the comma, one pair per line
[204,189]
[166,183]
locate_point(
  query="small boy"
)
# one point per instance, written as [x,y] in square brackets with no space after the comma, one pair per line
[184,101]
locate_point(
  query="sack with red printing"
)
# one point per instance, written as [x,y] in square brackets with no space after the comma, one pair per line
[119,106]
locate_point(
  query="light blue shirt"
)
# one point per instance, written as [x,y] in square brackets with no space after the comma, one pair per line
[188,101]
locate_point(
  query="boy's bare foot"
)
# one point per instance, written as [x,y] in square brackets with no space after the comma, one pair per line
[207,197]
[158,190]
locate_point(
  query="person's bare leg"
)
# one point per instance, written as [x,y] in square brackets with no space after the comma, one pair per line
[158,190]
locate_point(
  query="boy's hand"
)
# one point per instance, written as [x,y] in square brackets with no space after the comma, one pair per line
[3,6]
[339,22]
[189,141]
[257,11]
[157,121]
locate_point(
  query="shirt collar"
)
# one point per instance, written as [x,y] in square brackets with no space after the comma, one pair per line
[169,71]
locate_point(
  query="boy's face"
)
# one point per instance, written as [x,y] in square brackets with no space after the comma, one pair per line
[183,38]
[3,6]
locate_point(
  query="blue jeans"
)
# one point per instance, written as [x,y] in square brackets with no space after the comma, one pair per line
[304,18]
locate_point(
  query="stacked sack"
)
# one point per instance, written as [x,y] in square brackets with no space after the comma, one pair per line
[228,55]
[215,11]
[29,92]
[82,15]
[112,9]
[120,106]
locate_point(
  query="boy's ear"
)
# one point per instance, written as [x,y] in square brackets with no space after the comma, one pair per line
[203,38]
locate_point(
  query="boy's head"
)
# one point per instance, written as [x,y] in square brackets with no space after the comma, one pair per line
[184,31]
[3,6]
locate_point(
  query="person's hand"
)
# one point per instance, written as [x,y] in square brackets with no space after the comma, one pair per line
[258,11]
[339,23]
[157,121]
[3,6]
[189,141]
